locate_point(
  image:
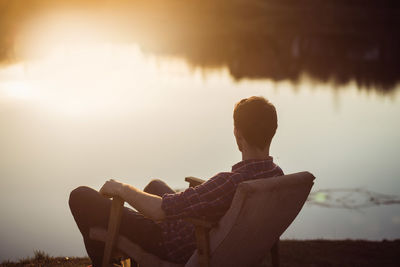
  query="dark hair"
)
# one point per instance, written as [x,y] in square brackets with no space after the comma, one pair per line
[255,118]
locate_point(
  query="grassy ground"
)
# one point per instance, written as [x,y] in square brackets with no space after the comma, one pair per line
[313,253]
[43,259]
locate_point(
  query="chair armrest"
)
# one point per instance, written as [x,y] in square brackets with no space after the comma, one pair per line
[193,181]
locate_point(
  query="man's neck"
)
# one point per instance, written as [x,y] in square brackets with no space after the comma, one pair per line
[255,154]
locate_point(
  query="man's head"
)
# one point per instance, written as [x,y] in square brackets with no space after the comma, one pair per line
[255,121]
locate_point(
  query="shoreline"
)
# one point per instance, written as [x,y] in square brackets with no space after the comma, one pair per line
[317,252]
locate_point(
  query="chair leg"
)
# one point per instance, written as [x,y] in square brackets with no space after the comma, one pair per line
[203,247]
[117,206]
[275,254]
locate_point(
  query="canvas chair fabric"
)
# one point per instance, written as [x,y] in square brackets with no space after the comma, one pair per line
[260,212]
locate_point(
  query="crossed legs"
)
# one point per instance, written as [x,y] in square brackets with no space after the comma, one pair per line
[90,209]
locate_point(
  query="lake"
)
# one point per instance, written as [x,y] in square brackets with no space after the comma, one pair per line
[80,117]
[81,112]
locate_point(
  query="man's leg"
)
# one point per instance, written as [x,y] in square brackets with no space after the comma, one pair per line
[158,187]
[90,209]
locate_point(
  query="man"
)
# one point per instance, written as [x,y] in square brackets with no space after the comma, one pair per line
[158,226]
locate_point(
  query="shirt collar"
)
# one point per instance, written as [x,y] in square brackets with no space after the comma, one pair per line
[252,164]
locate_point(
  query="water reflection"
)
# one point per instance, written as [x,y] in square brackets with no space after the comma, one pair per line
[342,42]
[349,198]
[372,61]
[89,108]
[104,111]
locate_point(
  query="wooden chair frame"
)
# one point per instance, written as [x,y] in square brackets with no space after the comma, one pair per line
[202,228]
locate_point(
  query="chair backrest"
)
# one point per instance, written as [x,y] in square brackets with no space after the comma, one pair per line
[260,212]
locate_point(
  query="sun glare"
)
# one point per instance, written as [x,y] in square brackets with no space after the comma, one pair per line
[76,68]
[16,89]
[83,78]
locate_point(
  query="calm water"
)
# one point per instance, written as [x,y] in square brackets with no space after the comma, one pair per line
[84,114]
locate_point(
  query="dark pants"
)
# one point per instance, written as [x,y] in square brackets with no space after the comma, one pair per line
[90,209]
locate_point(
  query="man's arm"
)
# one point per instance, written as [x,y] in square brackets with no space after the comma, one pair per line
[147,204]
[209,199]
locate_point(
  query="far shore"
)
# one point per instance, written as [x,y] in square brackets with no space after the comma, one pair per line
[292,253]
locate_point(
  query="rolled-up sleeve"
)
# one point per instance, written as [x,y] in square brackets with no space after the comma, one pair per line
[211,198]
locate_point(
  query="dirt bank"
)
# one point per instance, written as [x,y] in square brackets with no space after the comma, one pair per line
[313,253]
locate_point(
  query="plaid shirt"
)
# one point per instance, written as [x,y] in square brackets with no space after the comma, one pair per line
[209,200]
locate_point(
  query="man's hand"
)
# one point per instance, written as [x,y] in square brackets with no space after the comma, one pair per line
[147,204]
[112,188]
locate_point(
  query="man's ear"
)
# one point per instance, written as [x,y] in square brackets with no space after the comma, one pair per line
[239,138]
[236,133]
